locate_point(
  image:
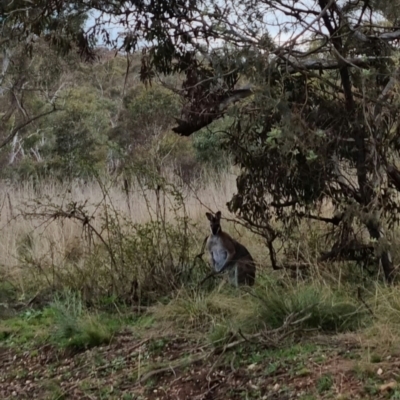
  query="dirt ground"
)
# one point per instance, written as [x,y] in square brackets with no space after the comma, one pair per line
[178,368]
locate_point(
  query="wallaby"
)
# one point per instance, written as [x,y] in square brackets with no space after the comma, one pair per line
[227,254]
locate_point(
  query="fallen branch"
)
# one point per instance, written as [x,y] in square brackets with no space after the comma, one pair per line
[180,364]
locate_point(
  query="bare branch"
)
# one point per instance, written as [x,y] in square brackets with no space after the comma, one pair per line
[387,36]
[335,220]
[11,136]
[385,94]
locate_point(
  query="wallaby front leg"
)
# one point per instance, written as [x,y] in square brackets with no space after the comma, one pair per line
[226,263]
[213,262]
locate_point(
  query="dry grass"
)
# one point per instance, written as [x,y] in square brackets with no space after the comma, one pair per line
[55,242]
[383,335]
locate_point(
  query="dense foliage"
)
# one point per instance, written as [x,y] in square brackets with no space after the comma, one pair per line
[319,122]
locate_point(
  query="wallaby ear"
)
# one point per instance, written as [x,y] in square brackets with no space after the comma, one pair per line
[218,214]
[209,216]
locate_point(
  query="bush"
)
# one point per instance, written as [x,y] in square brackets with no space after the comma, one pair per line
[152,106]
[197,309]
[77,329]
[130,261]
[328,311]
[208,144]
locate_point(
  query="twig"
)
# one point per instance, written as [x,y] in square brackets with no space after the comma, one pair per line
[240,333]
[180,364]
[233,369]
[201,254]
[359,297]
[204,395]
[213,366]
[336,220]
[212,274]
[10,137]
[65,392]
[77,214]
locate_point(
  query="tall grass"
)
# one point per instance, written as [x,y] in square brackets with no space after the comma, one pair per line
[146,230]
[153,237]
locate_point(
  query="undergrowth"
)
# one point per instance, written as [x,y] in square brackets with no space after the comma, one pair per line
[76,328]
[115,255]
[225,313]
[119,257]
[326,309]
[66,323]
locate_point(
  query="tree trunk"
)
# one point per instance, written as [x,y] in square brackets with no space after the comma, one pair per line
[385,258]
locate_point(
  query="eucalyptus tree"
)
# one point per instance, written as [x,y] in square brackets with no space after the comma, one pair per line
[322,121]
[32,35]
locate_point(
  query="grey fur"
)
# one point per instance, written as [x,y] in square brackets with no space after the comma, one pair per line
[227,254]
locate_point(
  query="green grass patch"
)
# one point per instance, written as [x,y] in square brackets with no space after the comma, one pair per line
[26,328]
[222,313]
[324,383]
[77,329]
[194,310]
[327,310]
[65,323]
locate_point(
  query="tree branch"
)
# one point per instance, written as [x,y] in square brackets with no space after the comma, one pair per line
[394,176]
[11,136]
[331,64]
[335,220]
[385,94]
[387,36]
[215,111]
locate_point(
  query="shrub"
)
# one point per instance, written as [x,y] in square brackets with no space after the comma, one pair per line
[208,144]
[119,257]
[328,311]
[77,329]
[151,106]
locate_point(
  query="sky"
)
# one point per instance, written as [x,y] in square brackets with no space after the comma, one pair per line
[273,21]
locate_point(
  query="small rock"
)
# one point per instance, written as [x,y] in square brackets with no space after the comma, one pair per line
[276,387]
[254,387]
[380,371]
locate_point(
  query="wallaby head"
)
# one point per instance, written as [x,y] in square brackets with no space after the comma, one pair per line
[215,222]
